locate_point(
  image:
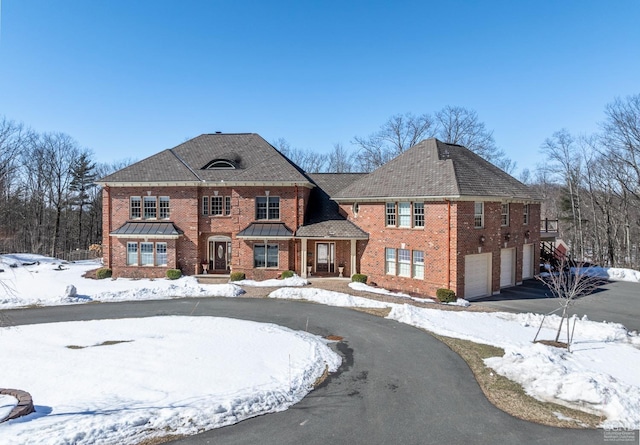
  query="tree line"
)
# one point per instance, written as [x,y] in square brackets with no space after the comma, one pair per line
[49,202]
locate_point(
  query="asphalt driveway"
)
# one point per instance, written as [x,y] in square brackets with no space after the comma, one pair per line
[616,301]
[397,384]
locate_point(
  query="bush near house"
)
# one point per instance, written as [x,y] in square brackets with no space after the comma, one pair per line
[359,278]
[103,272]
[237,276]
[174,274]
[446,295]
[287,274]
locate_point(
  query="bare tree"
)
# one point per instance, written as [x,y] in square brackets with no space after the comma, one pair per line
[568,284]
[308,160]
[340,160]
[395,136]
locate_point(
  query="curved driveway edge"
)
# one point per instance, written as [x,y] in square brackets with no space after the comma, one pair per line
[397,384]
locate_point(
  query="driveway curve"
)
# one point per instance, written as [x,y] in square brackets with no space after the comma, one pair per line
[397,384]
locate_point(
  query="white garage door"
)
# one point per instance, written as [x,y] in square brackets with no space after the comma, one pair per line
[477,275]
[507,267]
[527,261]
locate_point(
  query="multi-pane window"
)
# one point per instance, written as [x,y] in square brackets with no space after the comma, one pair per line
[227,205]
[404,262]
[390,261]
[525,212]
[418,214]
[216,205]
[132,254]
[265,255]
[135,206]
[404,214]
[161,254]
[146,254]
[205,205]
[267,207]
[391,214]
[504,211]
[163,203]
[478,215]
[418,264]
[149,207]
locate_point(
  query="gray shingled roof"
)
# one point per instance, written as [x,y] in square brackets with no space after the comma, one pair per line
[255,159]
[266,231]
[154,229]
[433,168]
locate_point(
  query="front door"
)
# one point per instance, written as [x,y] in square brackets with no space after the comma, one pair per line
[325,257]
[218,255]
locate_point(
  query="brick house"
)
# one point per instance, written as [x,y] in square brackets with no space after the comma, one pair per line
[436,216]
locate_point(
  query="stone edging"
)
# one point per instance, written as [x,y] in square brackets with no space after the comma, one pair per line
[24,406]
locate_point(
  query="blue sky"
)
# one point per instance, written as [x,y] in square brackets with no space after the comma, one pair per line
[128,78]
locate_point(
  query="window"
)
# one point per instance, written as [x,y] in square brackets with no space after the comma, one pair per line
[221,164]
[391,214]
[418,264]
[404,262]
[132,254]
[216,205]
[265,255]
[149,203]
[505,215]
[161,254]
[390,261]
[525,212]
[478,215]
[164,207]
[227,205]
[205,205]
[404,214]
[418,214]
[135,205]
[267,207]
[146,254]
[355,208]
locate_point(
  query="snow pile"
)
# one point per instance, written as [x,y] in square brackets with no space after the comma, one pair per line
[7,403]
[613,273]
[92,384]
[326,297]
[376,290]
[294,281]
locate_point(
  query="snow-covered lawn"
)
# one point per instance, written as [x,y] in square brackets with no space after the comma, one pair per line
[600,375]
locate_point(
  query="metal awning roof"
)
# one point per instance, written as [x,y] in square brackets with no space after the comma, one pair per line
[266,231]
[147,229]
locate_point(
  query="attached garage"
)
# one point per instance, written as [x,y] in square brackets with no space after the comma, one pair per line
[527,261]
[507,267]
[477,275]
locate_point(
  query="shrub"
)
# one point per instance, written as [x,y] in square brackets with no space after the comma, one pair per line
[236,276]
[446,295]
[103,272]
[359,278]
[287,274]
[174,274]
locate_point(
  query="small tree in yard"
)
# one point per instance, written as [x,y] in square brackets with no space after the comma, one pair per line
[568,283]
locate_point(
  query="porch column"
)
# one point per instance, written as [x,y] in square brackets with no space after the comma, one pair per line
[303,258]
[353,257]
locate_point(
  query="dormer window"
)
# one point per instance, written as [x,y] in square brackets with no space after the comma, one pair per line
[220,164]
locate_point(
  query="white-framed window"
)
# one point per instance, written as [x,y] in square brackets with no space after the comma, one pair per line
[135,207]
[216,205]
[161,254]
[267,207]
[132,254]
[418,214]
[149,208]
[163,204]
[146,254]
[265,255]
[390,261]
[478,215]
[205,205]
[404,214]
[390,219]
[418,264]
[404,262]
[525,213]
[504,214]
[227,205]
[355,208]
